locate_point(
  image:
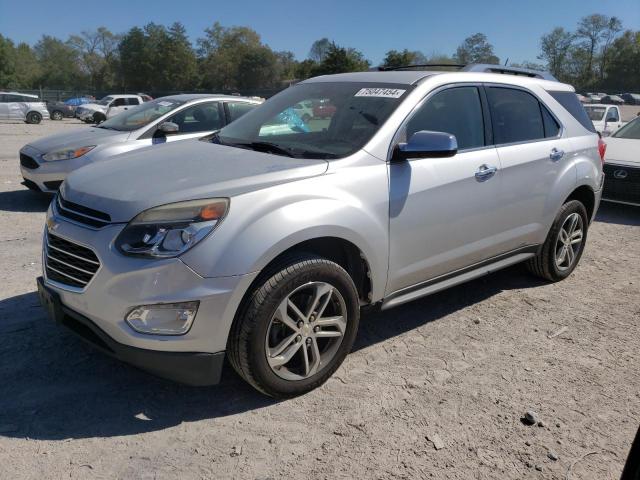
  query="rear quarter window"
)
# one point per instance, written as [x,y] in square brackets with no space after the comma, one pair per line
[571,104]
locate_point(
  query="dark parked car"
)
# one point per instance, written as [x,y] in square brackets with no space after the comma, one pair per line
[612,100]
[631,98]
[60,110]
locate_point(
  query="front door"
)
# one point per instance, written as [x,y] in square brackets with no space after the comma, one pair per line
[445,212]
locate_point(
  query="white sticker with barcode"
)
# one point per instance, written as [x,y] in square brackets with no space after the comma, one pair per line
[164,103]
[380,92]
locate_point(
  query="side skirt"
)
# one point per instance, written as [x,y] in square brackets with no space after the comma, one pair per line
[459,276]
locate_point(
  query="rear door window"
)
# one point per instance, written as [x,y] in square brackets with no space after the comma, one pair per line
[133,101]
[516,115]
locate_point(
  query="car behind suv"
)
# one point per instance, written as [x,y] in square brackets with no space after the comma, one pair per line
[22,106]
[46,162]
[264,243]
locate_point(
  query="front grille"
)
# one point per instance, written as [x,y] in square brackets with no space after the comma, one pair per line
[80,214]
[69,263]
[625,189]
[28,162]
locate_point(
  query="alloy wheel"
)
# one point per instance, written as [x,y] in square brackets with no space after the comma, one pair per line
[306,331]
[569,242]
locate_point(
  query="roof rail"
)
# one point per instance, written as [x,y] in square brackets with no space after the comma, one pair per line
[423,65]
[525,72]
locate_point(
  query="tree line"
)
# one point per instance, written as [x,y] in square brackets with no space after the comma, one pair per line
[598,54]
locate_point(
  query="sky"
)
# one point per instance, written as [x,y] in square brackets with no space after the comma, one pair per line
[514,27]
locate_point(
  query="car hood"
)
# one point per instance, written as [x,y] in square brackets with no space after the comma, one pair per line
[622,151]
[78,138]
[94,106]
[132,182]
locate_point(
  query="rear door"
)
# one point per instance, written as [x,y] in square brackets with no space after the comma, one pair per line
[533,156]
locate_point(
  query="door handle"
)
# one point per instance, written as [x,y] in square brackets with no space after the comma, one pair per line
[556,154]
[485,172]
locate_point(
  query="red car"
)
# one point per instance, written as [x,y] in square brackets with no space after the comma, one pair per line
[324,110]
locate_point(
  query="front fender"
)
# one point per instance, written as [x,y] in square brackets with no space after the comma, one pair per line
[263,224]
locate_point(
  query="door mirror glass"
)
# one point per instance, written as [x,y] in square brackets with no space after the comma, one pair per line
[169,128]
[427,144]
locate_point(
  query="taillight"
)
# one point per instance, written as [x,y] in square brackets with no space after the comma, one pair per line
[602,148]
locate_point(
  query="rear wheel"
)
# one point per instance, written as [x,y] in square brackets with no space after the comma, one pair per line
[56,115]
[34,118]
[564,245]
[296,327]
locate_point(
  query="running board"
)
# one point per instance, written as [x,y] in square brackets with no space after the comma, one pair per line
[459,276]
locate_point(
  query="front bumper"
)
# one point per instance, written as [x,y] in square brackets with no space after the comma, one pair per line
[191,368]
[622,184]
[122,283]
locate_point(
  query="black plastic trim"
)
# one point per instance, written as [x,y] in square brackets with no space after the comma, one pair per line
[190,368]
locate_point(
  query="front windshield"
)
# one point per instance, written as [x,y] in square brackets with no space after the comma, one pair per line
[630,130]
[595,113]
[105,101]
[316,120]
[141,115]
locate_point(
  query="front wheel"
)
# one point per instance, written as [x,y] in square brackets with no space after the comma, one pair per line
[296,327]
[56,115]
[564,245]
[98,118]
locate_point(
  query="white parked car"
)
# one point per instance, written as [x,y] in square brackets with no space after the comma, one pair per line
[606,118]
[622,165]
[108,107]
[22,106]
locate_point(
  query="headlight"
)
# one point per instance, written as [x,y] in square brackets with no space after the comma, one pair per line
[170,230]
[67,154]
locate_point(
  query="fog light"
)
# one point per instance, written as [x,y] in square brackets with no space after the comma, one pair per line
[163,319]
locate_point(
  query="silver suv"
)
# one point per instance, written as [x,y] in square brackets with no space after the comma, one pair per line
[264,242]
[22,106]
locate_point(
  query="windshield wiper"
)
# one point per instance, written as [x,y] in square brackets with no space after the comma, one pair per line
[268,147]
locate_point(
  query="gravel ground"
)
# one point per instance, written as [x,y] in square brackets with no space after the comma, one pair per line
[456,370]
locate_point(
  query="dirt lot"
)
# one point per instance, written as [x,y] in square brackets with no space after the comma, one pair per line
[463,365]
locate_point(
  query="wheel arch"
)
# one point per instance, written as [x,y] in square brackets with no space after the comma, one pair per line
[585,195]
[336,249]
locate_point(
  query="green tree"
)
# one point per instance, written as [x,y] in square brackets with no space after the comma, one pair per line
[339,60]
[476,49]
[224,54]
[59,64]
[555,48]
[176,62]
[614,27]
[623,67]
[97,51]
[135,60]
[395,58]
[319,50]
[590,32]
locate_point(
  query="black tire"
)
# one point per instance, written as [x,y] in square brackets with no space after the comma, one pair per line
[34,118]
[57,115]
[544,264]
[98,118]
[246,346]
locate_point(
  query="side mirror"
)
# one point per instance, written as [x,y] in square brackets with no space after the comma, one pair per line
[427,144]
[169,128]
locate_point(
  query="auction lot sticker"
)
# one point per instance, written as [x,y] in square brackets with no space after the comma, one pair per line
[380,92]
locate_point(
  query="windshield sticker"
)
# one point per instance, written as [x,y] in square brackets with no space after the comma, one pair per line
[380,92]
[165,104]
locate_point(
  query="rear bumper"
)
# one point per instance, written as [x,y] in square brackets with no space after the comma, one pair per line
[191,368]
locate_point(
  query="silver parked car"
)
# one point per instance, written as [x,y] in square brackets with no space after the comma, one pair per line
[23,107]
[263,243]
[46,162]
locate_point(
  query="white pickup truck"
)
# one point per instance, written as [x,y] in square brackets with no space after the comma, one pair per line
[107,107]
[606,118]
